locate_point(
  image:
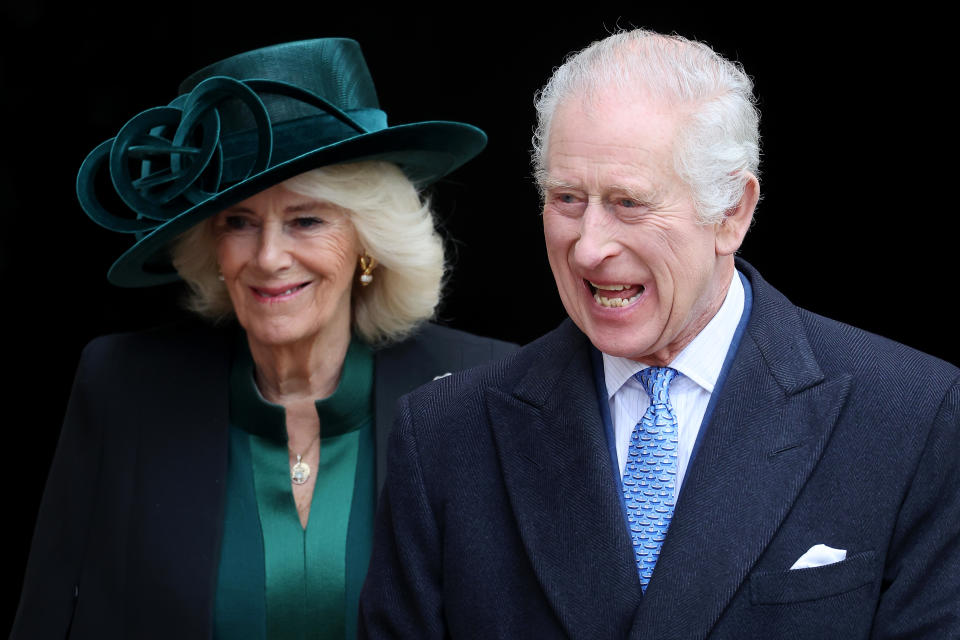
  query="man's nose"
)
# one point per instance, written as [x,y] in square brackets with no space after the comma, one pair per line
[597,240]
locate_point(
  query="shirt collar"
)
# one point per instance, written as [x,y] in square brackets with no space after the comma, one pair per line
[702,359]
[346,410]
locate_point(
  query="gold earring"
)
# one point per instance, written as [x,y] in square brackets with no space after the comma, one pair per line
[367,265]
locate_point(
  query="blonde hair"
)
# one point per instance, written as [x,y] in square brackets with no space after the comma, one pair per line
[395,227]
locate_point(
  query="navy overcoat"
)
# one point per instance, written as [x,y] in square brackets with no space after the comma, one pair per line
[501,518]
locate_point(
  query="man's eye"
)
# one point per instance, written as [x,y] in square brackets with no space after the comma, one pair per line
[627,203]
[566,198]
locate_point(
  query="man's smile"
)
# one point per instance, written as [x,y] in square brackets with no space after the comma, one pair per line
[615,295]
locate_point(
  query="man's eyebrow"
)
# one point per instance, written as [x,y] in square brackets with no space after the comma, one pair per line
[645,196]
[547,182]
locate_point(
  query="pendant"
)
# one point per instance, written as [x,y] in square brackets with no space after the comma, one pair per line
[300,472]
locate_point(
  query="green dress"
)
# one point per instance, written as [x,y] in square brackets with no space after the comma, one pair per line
[275,579]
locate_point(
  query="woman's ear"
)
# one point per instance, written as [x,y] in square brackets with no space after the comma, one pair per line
[736,221]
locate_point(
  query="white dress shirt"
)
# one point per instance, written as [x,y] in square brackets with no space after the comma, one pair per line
[699,365]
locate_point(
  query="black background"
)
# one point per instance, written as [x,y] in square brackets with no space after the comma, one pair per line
[855,223]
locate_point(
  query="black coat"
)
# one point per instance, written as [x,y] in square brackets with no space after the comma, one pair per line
[127,537]
[501,517]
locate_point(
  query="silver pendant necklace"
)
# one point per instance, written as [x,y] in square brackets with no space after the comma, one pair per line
[300,471]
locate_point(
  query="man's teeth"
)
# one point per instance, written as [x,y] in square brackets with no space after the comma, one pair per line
[609,287]
[614,301]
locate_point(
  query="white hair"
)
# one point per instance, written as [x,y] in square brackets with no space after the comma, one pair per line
[395,227]
[718,141]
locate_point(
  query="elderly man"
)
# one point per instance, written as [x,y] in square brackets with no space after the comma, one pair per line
[690,455]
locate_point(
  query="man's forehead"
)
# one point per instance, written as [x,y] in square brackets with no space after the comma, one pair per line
[619,144]
[601,98]
[611,118]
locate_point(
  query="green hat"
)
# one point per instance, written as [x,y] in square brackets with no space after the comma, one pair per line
[240,126]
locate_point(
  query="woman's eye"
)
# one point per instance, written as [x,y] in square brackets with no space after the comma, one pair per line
[235,222]
[307,222]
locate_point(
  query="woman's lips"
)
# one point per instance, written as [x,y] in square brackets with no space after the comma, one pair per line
[278,293]
[614,295]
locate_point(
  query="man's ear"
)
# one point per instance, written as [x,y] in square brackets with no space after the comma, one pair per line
[736,221]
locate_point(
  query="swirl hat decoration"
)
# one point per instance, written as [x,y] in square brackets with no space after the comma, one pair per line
[240,126]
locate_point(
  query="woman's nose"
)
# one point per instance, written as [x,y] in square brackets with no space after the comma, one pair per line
[273,250]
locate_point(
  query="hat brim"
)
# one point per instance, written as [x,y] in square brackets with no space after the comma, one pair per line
[424,151]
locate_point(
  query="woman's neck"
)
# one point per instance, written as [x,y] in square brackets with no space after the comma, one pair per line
[301,372]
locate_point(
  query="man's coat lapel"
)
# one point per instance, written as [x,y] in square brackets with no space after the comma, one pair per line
[771,423]
[557,472]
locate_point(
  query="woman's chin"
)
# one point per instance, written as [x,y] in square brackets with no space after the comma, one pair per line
[279,333]
[276,335]
[284,341]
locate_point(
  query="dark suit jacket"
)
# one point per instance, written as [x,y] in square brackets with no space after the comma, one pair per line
[501,517]
[127,538]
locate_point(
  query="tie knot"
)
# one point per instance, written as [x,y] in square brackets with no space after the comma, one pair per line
[656,382]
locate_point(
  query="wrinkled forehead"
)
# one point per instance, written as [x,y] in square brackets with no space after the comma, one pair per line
[614,118]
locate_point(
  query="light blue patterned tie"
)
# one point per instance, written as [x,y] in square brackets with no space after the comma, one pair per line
[651,471]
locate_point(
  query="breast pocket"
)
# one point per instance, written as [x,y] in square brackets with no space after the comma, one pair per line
[803,585]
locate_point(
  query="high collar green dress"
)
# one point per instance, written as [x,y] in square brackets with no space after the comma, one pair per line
[276,579]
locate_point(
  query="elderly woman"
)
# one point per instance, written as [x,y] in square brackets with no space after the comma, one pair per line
[220,480]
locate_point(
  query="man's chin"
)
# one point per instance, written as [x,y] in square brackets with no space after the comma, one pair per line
[621,343]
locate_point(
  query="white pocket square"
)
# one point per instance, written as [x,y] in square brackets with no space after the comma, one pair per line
[819,555]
